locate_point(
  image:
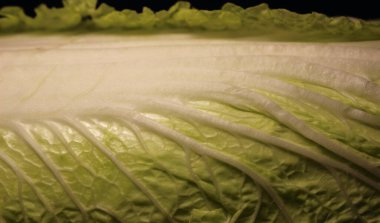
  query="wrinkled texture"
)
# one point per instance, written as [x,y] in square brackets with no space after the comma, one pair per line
[259,20]
[177,128]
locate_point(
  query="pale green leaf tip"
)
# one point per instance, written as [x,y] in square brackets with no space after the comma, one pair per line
[254,21]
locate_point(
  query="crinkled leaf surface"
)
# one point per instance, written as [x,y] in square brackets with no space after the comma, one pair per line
[177,128]
[260,20]
[188,128]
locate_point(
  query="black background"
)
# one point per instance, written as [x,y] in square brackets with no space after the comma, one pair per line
[365,9]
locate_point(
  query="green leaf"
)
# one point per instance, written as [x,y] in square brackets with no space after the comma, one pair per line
[54,19]
[83,7]
[183,128]
[12,18]
[259,20]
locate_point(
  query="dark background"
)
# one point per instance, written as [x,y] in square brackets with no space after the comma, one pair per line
[365,9]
